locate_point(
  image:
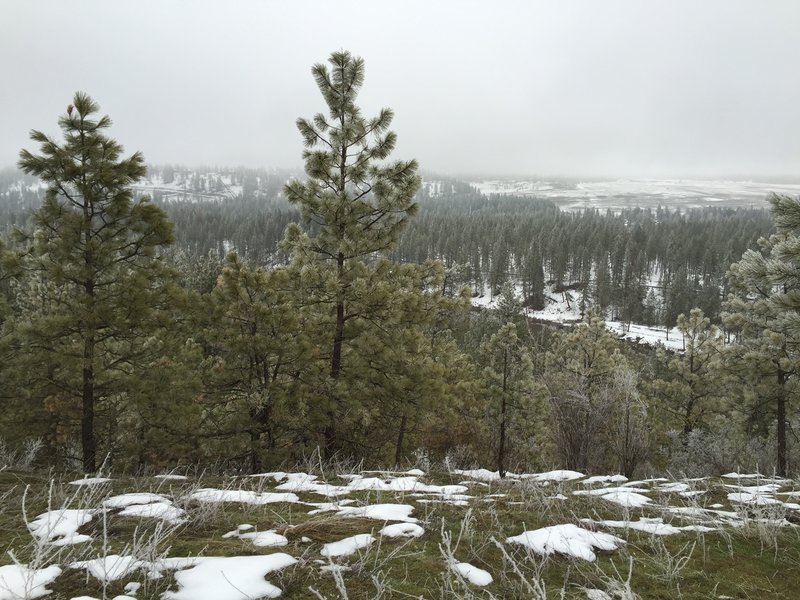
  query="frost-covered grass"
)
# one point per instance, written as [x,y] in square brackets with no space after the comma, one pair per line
[399,535]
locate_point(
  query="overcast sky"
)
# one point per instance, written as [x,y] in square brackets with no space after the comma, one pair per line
[576,88]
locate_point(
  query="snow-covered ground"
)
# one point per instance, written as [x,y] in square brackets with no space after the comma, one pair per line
[564,308]
[210,186]
[629,193]
[381,507]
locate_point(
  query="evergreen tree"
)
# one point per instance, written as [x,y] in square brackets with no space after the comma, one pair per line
[696,385]
[261,354]
[580,371]
[764,309]
[356,205]
[508,374]
[97,251]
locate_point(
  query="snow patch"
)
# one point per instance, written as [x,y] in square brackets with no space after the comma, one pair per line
[226,577]
[347,546]
[396,530]
[473,574]
[18,581]
[567,539]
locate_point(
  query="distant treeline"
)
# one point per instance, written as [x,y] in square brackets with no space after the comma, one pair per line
[638,265]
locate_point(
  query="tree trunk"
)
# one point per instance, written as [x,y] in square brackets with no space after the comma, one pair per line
[398,451]
[88,443]
[336,359]
[255,460]
[501,452]
[781,410]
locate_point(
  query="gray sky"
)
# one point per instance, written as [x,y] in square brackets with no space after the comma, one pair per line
[578,88]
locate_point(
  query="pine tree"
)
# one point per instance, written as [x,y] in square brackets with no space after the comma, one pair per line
[508,374]
[356,205]
[696,386]
[580,371]
[261,353]
[97,251]
[764,310]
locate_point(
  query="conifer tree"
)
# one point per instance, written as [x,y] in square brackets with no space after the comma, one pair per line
[356,205]
[696,385]
[764,309]
[96,249]
[509,375]
[262,353]
[580,371]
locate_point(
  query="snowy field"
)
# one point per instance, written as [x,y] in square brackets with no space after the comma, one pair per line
[629,193]
[181,187]
[458,533]
[564,309]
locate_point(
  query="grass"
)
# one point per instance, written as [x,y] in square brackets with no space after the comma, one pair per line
[759,557]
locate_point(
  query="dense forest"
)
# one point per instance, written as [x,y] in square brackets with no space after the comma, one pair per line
[260,315]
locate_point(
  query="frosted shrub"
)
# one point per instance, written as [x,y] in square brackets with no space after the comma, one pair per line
[21,459]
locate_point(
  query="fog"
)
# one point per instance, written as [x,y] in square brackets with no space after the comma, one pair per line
[600,89]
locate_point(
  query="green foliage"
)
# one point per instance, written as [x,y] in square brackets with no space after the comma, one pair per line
[357,208]
[764,310]
[696,384]
[260,358]
[508,377]
[581,369]
[100,281]
[358,205]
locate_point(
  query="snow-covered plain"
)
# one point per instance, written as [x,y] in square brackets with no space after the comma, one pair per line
[628,193]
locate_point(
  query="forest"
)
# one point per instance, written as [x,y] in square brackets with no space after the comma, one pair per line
[331,312]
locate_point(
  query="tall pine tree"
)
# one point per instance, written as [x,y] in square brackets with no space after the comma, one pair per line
[98,251]
[356,206]
[764,309]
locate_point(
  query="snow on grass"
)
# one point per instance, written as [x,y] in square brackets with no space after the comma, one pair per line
[111,567]
[642,334]
[303,482]
[604,479]
[473,574]
[165,511]
[406,483]
[490,476]
[655,526]
[478,474]
[743,476]
[559,475]
[91,481]
[226,577]
[18,581]
[756,499]
[380,512]
[125,500]
[262,539]
[241,496]
[347,546]
[641,482]
[322,507]
[769,488]
[171,477]
[60,527]
[677,486]
[411,530]
[627,499]
[567,539]
[452,500]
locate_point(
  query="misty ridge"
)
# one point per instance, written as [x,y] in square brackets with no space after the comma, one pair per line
[410,367]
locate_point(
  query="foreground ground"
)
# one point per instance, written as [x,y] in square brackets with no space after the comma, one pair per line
[457,534]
